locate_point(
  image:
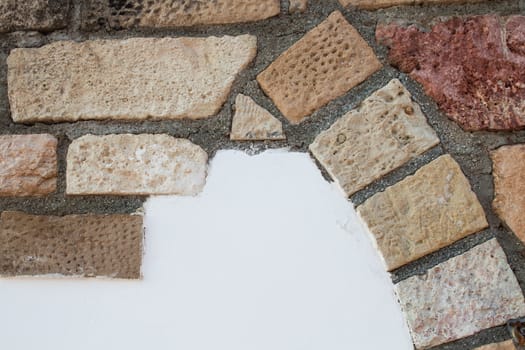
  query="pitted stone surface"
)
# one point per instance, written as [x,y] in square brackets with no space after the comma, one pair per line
[474,68]
[165,14]
[28,165]
[423,213]
[376,4]
[462,296]
[298,6]
[509,187]
[326,63]
[506,345]
[73,245]
[132,79]
[252,122]
[384,132]
[43,15]
[135,164]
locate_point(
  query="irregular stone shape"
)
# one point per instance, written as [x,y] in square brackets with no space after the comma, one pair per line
[28,165]
[383,133]
[327,62]
[472,70]
[462,296]
[135,164]
[252,122]
[43,15]
[506,345]
[152,78]
[73,245]
[377,4]
[509,186]
[166,14]
[298,6]
[423,213]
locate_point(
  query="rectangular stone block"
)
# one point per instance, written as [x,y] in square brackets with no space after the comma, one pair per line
[131,79]
[376,4]
[42,15]
[73,245]
[506,345]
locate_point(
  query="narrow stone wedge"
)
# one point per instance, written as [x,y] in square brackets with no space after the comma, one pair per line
[252,122]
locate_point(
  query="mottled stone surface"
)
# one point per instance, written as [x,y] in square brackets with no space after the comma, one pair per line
[298,6]
[43,15]
[28,165]
[176,13]
[252,122]
[384,132]
[464,295]
[474,68]
[74,245]
[509,187]
[133,79]
[506,345]
[327,62]
[135,164]
[376,4]
[423,213]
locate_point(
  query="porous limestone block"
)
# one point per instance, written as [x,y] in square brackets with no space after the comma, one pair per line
[253,122]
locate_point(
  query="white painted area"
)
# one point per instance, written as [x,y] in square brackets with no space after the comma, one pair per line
[269,257]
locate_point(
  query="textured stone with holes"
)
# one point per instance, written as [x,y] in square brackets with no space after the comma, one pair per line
[506,345]
[464,295]
[423,213]
[43,15]
[135,164]
[376,4]
[165,14]
[28,165]
[384,132]
[132,79]
[73,245]
[326,63]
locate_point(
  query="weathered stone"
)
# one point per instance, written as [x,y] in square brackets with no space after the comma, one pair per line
[73,245]
[474,67]
[384,132]
[423,213]
[298,6]
[134,79]
[377,4]
[327,62]
[43,15]
[28,165]
[165,14]
[509,187]
[466,294]
[506,345]
[135,164]
[252,122]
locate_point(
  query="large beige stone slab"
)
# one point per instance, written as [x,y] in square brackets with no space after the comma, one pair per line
[326,63]
[133,79]
[423,213]
[73,245]
[506,345]
[383,133]
[460,297]
[135,164]
[43,15]
[509,187]
[376,4]
[28,165]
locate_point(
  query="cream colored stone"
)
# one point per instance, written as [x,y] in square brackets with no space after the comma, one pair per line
[135,164]
[376,4]
[506,345]
[133,79]
[298,6]
[383,133]
[41,15]
[252,122]
[423,213]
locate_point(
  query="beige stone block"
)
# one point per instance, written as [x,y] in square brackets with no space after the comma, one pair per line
[376,4]
[298,6]
[43,15]
[506,345]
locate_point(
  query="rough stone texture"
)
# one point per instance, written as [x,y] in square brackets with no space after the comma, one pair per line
[252,122]
[28,165]
[474,68]
[327,62]
[176,13]
[74,245]
[384,132]
[298,6]
[152,78]
[135,164]
[466,294]
[509,186]
[423,213]
[506,345]
[43,15]
[376,4]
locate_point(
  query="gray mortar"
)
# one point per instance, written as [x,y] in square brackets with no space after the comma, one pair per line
[275,35]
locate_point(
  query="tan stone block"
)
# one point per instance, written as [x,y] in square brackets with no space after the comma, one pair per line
[460,297]
[383,133]
[423,213]
[73,245]
[326,63]
[28,165]
[252,122]
[40,15]
[506,345]
[298,6]
[376,4]
[132,79]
